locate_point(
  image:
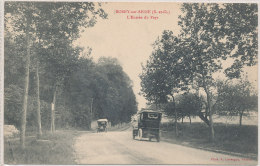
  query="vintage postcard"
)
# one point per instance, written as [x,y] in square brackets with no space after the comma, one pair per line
[136,83]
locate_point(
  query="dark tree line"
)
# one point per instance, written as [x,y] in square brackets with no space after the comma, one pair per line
[210,35]
[49,82]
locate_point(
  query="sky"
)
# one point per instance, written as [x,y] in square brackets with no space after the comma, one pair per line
[130,40]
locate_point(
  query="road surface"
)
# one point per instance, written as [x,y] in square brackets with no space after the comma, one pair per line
[120,148]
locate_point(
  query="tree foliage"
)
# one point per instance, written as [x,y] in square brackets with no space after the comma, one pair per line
[235,99]
[240,29]
[210,34]
[190,105]
[74,80]
[165,72]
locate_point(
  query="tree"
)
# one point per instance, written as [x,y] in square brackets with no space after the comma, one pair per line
[207,38]
[165,73]
[235,98]
[215,32]
[79,93]
[114,98]
[189,105]
[26,12]
[205,47]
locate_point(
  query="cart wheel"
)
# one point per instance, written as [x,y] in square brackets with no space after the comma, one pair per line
[140,134]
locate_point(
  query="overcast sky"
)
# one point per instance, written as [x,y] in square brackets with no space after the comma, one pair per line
[129,40]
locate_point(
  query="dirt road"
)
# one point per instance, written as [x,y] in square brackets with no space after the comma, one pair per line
[120,148]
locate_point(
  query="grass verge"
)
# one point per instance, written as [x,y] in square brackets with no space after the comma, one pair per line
[50,149]
[228,138]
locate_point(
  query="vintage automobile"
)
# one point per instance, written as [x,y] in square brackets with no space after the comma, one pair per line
[102,125]
[146,124]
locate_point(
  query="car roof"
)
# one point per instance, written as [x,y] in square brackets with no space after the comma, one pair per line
[149,111]
[102,120]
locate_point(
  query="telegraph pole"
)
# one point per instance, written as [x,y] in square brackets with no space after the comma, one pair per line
[91,111]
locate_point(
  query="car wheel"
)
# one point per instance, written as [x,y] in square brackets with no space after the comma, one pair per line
[133,135]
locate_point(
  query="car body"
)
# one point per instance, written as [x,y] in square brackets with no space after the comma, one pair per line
[146,124]
[102,125]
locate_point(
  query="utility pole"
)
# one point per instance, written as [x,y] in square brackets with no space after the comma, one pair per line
[91,111]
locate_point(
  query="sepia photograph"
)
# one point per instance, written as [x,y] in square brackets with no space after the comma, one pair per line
[130,83]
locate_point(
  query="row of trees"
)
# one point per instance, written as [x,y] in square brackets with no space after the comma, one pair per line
[49,81]
[231,100]
[211,34]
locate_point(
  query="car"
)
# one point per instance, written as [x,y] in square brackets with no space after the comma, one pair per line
[146,124]
[102,125]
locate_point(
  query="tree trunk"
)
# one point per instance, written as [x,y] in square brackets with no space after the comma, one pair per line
[182,119]
[190,119]
[240,118]
[53,110]
[204,118]
[176,118]
[39,134]
[26,86]
[211,124]
[208,110]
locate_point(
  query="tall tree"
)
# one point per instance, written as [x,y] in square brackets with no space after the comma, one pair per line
[39,124]
[206,39]
[205,48]
[27,30]
[165,73]
[120,102]
[214,33]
